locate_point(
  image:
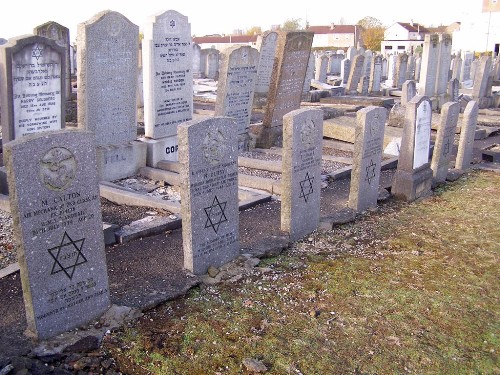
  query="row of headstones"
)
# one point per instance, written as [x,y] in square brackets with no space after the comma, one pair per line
[58,220]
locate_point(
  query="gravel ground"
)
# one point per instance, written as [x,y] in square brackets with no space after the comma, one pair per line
[334,152]
[7,249]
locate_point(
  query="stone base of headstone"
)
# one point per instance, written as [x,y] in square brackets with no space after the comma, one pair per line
[4,188]
[160,149]
[270,137]
[409,186]
[115,162]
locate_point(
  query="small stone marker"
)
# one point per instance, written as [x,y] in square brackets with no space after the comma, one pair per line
[443,146]
[54,197]
[368,146]
[266,45]
[408,91]
[238,74]
[414,176]
[467,132]
[320,68]
[345,69]
[32,85]
[301,175]
[208,156]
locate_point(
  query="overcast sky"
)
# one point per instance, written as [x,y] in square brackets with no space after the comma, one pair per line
[223,16]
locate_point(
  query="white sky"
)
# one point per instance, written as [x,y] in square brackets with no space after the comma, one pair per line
[223,16]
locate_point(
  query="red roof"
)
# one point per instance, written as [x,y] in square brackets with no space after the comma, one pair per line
[225,39]
[332,29]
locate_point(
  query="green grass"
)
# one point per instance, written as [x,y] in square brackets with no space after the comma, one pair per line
[423,297]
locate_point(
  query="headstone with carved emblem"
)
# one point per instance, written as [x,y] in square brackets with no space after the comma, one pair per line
[301,176]
[368,146]
[208,157]
[54,199]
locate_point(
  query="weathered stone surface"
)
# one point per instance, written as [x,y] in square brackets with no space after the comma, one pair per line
[375,74]
[266,45]
[32,83]
[466,143]
[167,53]
[429,63]
[479,90]
[355,74]
[55,204]
[367,158]
[301,176]
[107,78]
[444,63]
[443,145]
[208,156]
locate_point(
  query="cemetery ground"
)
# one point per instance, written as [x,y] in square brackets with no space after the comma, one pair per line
[409,287]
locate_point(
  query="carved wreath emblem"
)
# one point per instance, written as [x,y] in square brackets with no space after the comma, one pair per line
[57,169]
[214,146]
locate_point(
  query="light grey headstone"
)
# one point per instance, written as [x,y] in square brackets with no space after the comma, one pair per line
[408,91]
[367,64]
[351,52]
[203,60]
[212,65]
[301,176]
[54,197]
[418,66]
[266,45]
[429,63]
[368,147]
[363,84]
[60,34]
[355,74]
[375,74]
[107,53]
[410,71]
[467,132]
[479,90]
[309,74]
[235,90]
[400,71]
[453,90]
[208,156]
[443,145]
[456,68]
[32,83]
[413,177]
[391,67]
[196,61]
[444,62]
[320,68]
[466,68]
[334,63]
[168,76]
[345,69]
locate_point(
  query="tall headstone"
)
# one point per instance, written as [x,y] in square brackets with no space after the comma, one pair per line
[334,62]
[309,74]
[320,68]
[452,93]
[479,90]
[413,177]
[363,84]
[203,59]
[467,131]
[384,68]
[408,91]
[355,74]
[168,76]
[54,198]
[108,52]
[212,65]
[266,45]
[60,34]
[410,71]
[367,64]
[466,68]
[444,63]
[287,83]
[368,148]
[196,61]
[456,67]
[375,75]
[400,71]
[32,83]
[391,68]
[443,146]
[345,69]
[238,74]
[301,176]
[418,66]
[428,71]
[208,156]
[351,52]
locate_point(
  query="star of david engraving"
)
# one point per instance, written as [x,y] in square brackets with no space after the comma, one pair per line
[215,214]
[446,147]
[370,171]
[67,256]
[306,187]
[37,52]
[172,24]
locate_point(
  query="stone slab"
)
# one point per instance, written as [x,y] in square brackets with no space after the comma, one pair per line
[161,149]
[148,226]
[267,184]
[379,101]
[120,161]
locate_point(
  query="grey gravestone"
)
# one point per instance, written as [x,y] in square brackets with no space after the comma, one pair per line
[212,65]
[60,34]
[443,146]
[168,76]
[320,68]
[456,70]
[410,71]
[391,68]
[309,74]
[467,131]
[266,45]
[466,68]
[32,84]
[345,69]
[54,197]
[413,176]
[368,146]
[428,69]
[418,66]
[479,90]
[107,78]
[238,74]
[203,59]
[287,83]
[375,75]
[452,92]
[408,91]
[334,63]
[444,63]
[367,64]
[208,156]
[400,71]
[355,74]
[363,84]
[196,61]
[301,176]
[351,52]
[474,66]
[385,68]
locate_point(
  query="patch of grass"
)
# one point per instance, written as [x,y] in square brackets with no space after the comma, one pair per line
[416,291]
